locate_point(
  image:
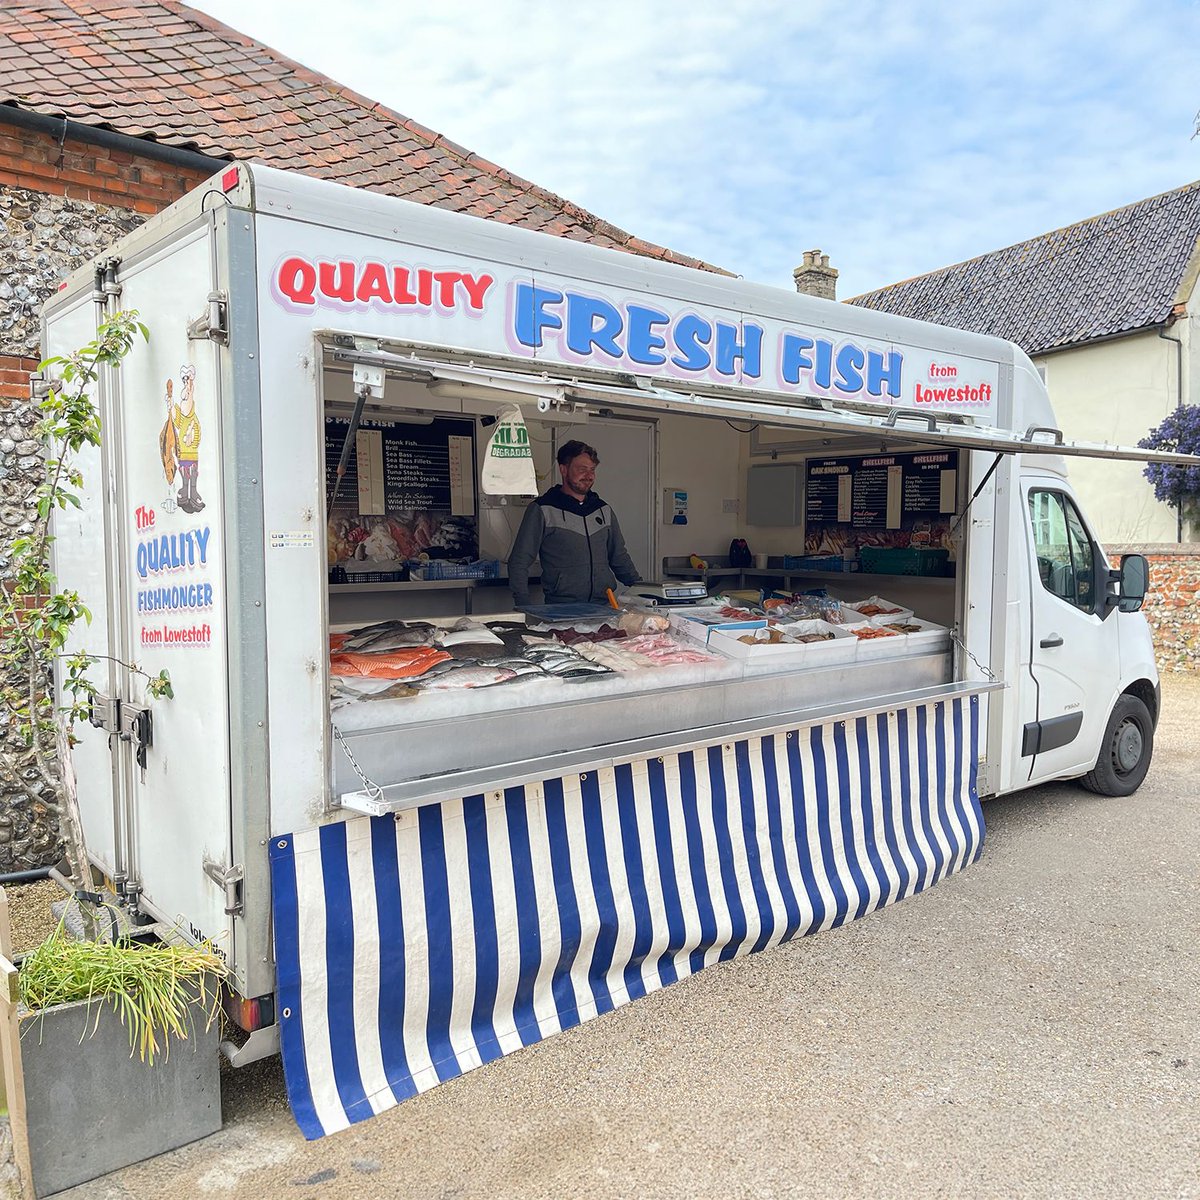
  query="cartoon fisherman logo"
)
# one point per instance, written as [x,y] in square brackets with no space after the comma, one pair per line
[179,443]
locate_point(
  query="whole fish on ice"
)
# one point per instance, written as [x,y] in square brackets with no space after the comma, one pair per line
[466,677]
[389,635]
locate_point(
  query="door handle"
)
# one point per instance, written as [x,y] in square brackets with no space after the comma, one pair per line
[1055,639]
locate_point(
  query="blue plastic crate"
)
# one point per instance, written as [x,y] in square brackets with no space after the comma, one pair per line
[440,569]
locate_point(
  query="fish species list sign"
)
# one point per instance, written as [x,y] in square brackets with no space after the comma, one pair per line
[415,475]
[399,467]
[875,493]
[408,488]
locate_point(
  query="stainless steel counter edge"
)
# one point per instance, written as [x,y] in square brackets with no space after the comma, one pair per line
[413,793]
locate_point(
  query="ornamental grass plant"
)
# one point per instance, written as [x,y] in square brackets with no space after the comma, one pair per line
[156,990]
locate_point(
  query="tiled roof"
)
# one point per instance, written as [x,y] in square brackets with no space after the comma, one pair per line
[1108,275]
[157,69]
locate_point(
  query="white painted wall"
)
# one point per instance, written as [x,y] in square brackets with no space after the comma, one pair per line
[1117,392]
[704,458]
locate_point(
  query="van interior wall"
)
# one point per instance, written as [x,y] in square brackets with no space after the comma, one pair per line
[700,456]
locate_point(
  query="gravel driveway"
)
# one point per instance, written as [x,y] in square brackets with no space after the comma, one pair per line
[1028,1028]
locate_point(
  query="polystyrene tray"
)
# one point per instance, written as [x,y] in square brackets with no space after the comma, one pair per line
[930,637]
[724,640]
[694,622]
[884,647]
[881,602]
[840,650]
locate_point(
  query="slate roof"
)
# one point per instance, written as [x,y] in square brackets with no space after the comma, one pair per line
[1112,274]
[157,69]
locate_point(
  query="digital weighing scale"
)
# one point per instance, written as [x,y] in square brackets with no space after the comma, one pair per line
[673,591]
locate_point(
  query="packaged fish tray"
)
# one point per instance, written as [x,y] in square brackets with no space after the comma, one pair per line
[917,634]
[822,644]
[874,641]
[757,641]
[693,622]
[878,606]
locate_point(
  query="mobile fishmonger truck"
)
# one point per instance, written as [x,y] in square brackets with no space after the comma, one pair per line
[408,883]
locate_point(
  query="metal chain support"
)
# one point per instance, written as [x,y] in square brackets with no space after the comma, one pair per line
[963,647]
[372,789]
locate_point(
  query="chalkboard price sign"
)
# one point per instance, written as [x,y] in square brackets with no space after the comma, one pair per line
[408,489]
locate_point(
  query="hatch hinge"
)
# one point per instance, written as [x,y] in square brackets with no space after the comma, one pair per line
[369,381]
[136,725]
[105,284]
[986,782]
[104,712]
[214,324]
[229,879]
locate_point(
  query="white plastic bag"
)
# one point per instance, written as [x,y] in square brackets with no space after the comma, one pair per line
[508,461]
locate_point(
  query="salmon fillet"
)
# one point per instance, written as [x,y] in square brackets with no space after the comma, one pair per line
[392,664]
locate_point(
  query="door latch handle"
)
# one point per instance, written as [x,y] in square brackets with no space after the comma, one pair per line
[1055,639]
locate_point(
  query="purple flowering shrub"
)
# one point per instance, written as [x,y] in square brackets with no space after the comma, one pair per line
[1177,486]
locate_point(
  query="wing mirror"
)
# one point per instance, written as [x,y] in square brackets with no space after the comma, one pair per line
[1132,580]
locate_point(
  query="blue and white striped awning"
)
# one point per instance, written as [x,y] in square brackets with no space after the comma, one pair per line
[414,947]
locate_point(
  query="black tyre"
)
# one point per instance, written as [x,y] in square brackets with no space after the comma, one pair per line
[1125,750]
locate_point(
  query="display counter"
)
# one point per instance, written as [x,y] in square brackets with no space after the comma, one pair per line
[526,703]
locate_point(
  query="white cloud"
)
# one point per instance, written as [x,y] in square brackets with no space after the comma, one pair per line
[896,138]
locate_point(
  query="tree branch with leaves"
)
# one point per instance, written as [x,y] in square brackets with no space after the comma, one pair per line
[37,617]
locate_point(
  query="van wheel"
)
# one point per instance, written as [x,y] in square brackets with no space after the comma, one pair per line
[1125,750]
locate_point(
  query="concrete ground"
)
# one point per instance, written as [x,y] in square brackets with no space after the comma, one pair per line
[1026,1029]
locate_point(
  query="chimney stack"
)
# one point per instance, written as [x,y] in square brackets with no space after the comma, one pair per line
[815,277]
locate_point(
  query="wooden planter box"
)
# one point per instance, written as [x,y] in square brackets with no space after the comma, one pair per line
[80,1105]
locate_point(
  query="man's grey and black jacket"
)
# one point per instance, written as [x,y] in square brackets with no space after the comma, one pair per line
[580,547]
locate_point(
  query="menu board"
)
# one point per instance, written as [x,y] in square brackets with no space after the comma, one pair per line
[880,500]
[827,493]
[408,489]
[873,494]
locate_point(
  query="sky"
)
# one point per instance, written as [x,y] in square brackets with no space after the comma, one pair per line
[895,137]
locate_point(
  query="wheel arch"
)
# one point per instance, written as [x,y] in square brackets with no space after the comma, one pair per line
[1149,694]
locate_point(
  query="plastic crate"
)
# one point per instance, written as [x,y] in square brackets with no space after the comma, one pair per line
[397,576]
[813,562]
[915,560]
[434,570]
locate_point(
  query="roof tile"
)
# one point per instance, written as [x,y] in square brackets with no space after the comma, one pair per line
[184,78]
[1111,274]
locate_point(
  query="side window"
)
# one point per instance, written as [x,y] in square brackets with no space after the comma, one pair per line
[1065,553]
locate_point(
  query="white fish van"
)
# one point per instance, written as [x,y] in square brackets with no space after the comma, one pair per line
[408,881]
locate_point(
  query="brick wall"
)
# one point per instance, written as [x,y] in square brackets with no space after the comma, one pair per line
[1173,604]
[14,379]
[59,207]
[79,170]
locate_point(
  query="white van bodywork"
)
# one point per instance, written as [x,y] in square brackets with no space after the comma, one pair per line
[266,285]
